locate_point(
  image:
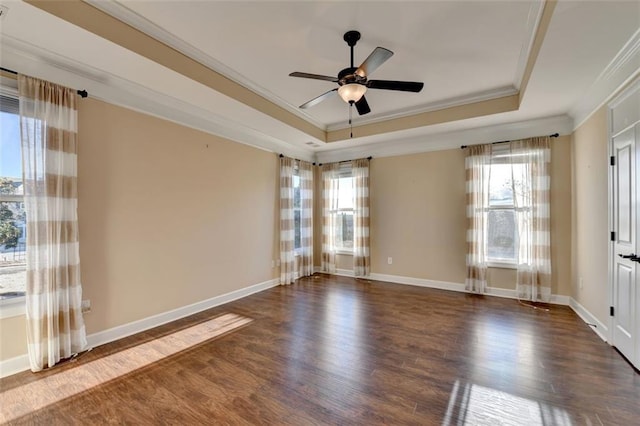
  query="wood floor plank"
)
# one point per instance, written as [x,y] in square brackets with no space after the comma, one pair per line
[338,350]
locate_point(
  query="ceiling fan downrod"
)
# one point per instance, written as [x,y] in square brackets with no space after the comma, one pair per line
[351,37]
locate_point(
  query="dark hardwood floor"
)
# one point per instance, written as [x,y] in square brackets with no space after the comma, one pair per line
[335,350]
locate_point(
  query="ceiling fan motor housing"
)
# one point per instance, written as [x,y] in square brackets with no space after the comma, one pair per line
[348,76]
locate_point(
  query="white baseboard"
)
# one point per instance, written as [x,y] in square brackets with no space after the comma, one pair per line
[598,327]
[106,336]
[420,282]
[445,285]
[14,365]
[21,363]
[344,272]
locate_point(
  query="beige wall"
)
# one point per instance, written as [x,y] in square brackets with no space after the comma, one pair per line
[168,216]
[13,337]
[418,217]
[590,212]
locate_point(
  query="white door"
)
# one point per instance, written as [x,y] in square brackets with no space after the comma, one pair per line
[625,251]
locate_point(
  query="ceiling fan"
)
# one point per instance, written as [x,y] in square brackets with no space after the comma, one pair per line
[353,82]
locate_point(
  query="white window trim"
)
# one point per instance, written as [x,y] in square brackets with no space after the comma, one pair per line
[344,252]
[502,265]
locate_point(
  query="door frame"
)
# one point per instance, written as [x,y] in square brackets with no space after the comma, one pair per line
[631,90]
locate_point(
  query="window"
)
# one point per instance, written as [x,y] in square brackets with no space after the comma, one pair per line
[297,210]
[502,223]
[343,215]
[12,212]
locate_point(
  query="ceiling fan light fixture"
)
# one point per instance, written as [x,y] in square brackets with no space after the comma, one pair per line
[352,92]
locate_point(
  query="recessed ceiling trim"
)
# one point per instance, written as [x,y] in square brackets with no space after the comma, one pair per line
[541,32]
[461,112]
[110,28]
[533,21]
[562,124]
[103,86]
[623,68]
[128,16]
[447,103]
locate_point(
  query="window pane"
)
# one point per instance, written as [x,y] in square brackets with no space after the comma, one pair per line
[345,193]
[296,192]
[296,228]
[502,236]
[12,214]
[344,230]
[297,203]
[500,188]
[10,155]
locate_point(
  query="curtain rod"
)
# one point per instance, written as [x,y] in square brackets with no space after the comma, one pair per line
[282,156]
[555,135]
[82,93]
[348,161]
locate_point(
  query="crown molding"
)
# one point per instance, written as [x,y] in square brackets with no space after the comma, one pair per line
[531,29]
[32,60]
[129,17]
[562,124]
[623,68]
[431,107]
[29,59]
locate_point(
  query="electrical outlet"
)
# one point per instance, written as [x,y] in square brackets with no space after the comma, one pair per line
[273,263]
[581,283]
[85,305]
[390,260]
[3,11]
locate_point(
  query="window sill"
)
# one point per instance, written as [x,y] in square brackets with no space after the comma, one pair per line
[12,307]
[502,265]
[345,252]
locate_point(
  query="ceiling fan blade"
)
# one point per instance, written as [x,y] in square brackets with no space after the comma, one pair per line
[363,106]
[317,100]
[404,86]
[378,57]
[313,76]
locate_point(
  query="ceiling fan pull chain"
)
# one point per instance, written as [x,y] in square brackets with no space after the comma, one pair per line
[350,122]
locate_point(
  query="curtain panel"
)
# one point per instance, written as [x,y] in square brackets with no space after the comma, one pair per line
[287,232]
[295,262]
[330,176]
[49,143]
[532,201]
[477,171]
[361,259]
[305,254]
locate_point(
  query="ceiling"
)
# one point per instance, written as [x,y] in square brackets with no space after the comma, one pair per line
[492,70]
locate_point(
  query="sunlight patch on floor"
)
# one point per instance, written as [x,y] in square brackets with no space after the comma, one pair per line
[34,396]
[478,405]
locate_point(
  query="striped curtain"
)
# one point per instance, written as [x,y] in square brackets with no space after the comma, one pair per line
[287,232]
[48,125]
[295,262]
[330,178]
[361,261]
[305,263]
[477,170]
[531,195]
